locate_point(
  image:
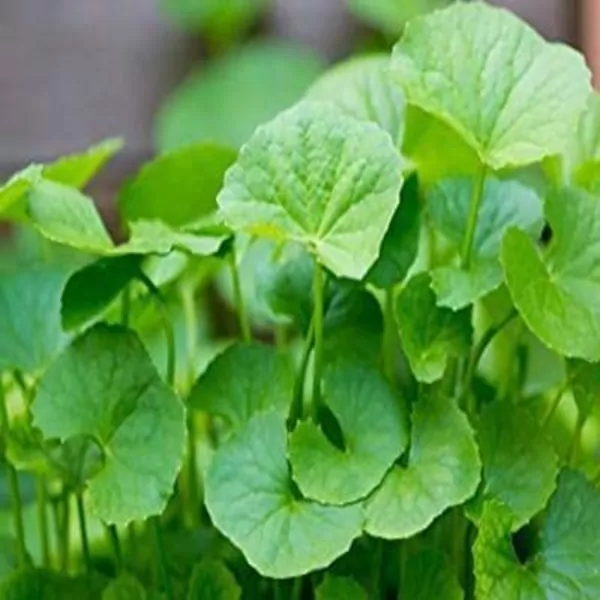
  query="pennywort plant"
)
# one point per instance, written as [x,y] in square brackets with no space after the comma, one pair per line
[419,419]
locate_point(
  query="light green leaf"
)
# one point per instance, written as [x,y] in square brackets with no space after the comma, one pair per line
[125,587]
[401,242]
[512,96]
[66,216]
[212,580]
[443,471]
[340,588]
[430,334]
[251,500]
[318,177]
[105,386]
[556,294]
[269,76]
[244,380]
[14,190]
[519,464]
[566,565]
[30,317]
[429,575]
[178,188]
[362,88]
[374,430]
[504,204]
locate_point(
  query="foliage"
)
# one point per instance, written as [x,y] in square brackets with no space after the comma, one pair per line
[416,413]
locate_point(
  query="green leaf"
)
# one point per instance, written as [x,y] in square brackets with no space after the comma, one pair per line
[318,177]
[363,89]
[566,564]
[105,386]
[30,317]
[430,334]
[126,587]
[512,96]
[91,290]
[340,588]
[14,190]
[429,575]
[584,379]
[519,464]
[179,187]
[251,500]
[401,242]
[504,204]
[212,580]
[269,76]
[374,430]
[9,557]
[66,216]
[244,380]
[443,471]
[555,294]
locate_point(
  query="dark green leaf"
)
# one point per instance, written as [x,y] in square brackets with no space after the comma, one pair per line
[126,587]
[429,576]
[340,588]
[212,580]
[584,378]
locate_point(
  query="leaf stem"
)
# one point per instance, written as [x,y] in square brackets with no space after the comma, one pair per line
[41,495]
[115,543]
[239,298]
[126,306]
[62,521]
[161,563]
[474,206]
[297,400]
[389,338]
[376,568]
[83,533]
[319,307]
[297,589]
[555,404]
[193,484]
[13,482]
[576,439]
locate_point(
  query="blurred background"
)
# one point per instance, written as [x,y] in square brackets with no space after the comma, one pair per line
[161,73]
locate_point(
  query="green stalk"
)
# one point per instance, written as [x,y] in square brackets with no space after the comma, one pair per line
[126,306]
[161,563]
[239,299]
[474,206]
[389,338]
[15,490]
[297,400]
[576,439]
[319,307]
[280,337]
[42,514]
[83,533]
[297,589]
[376,569]
[62,520]
[193,484]
[115,543]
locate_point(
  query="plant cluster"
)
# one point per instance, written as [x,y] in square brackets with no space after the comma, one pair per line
[416,413]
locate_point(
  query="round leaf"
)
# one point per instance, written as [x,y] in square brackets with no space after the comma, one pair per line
[556,294]
[251,500]
[363,88]
[511,95]
[318,177]
[269,76]
[374,432]
[105,386]
[443,470]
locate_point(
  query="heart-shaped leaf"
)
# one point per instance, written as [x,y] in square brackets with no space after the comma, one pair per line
[430,334]
[504,204]
[105,386]
[373,425]
[251,500]
[556,294]
[565,565]
[443,470]
[511,95]
[318,177]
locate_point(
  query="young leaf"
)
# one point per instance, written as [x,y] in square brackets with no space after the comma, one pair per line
[443,470]
[430,334]
[363,89]
[30,317]
[105,386]
[269,76]
[178,188]
[374,433]
[429,575]
[569,545]
[251,500]
[244,380]
[401,242]
[504,204]
[512,96]
[13,191]
[584,378]
[519,464]
[555,294]
[318,177]
[125,587]
[340,588]
[212,580]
